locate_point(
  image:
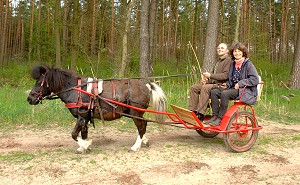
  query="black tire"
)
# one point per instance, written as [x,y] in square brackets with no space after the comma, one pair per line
[241,141]
[207,134]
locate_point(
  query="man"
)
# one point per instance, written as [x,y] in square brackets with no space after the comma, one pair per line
[199,93]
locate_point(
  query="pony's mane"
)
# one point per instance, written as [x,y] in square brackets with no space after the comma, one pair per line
[55,78]
[58,78]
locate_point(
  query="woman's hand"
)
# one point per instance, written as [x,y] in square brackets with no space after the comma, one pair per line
[223,85]
[236,86]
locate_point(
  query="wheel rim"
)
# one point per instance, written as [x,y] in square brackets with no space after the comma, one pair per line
[243,139]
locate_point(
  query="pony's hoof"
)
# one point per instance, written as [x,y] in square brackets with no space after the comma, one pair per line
[147,144]
[131,150]
[82,150]
[78,152]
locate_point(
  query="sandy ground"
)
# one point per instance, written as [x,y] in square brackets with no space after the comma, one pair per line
[175,156]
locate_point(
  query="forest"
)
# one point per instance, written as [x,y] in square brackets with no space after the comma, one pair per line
[133,37]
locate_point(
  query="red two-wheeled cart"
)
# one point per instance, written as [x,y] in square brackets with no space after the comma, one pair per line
[239,125]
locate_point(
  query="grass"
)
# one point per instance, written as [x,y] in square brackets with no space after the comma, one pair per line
[16,112]
[17,157]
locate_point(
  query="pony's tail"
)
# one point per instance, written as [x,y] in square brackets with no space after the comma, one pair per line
[158,100]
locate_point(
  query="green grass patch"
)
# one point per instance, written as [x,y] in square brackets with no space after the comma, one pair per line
[17,157]
[16,111]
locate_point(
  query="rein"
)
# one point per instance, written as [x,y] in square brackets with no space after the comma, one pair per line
[52,96]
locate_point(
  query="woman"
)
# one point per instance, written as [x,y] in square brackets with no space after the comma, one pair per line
[242,81]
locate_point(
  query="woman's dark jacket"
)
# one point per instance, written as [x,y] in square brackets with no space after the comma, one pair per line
[249,78]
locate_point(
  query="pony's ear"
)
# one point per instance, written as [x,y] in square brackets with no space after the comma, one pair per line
[38,71]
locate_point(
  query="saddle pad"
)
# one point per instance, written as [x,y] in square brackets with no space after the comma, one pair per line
[90,85]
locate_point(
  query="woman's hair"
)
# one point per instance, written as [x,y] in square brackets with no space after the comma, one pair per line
[240,47]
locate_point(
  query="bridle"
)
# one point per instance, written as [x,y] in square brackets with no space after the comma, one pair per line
[40,97]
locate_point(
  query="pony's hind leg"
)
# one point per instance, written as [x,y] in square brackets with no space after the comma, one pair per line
[141,138]
[145,140]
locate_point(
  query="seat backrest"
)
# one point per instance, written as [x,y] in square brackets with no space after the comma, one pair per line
[259,88]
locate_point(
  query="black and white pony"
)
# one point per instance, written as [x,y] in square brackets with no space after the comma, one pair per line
[85,105]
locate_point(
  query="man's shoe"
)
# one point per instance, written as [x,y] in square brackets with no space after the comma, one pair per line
[213,118]
[200,116]
[216,122]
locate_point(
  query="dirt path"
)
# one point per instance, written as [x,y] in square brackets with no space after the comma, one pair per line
[175,156]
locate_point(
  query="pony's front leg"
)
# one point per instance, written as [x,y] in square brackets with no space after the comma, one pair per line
[77,128]
[81,126]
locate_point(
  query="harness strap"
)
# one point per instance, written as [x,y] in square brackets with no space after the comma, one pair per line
[79,103]
[79,96]
[128,98]
[113,96]
[95,88]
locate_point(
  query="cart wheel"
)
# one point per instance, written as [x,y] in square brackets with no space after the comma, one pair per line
[207,134]
[243,140]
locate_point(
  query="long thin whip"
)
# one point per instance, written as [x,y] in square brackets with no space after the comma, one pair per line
[197,60]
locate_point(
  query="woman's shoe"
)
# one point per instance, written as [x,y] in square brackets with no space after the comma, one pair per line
[216,122]
[213,118]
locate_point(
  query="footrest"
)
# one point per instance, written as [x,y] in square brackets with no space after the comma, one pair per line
[185,115]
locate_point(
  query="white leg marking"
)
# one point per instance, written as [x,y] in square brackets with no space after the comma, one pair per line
[137,144]
[84,145]
[145,140]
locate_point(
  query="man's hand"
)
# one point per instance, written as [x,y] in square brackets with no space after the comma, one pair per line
[206,74]
[236,86]
[203,82]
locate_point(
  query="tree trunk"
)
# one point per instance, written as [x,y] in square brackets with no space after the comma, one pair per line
[202,29]
[124,61]
[57,33]
[297,19]
[237,25]
[175,31]
[1,23]
[276,53]
[4,39]
[168,31]
[17,41]
[244,28]
[75,34]
[152,18]
[93,30]
[112,31]
[39,32]
[31,31]
[271,30]
[162,34]
[283,30]
[295,77]
[222,23]
[211,36]
[22,47]
[65,27]
[136,26]
[144,39]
